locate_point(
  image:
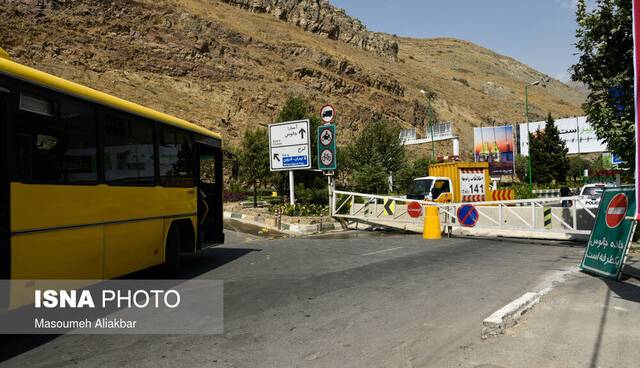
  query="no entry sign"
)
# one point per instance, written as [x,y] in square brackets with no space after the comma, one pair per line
[616,210]
[611,234]
[468,215]
[414,209]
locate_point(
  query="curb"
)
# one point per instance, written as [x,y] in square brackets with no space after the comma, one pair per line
[509,315]
[291,229]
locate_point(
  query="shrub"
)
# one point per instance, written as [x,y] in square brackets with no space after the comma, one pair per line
[234,196]
[301,210]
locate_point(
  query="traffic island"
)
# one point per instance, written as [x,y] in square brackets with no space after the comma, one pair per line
[290,225]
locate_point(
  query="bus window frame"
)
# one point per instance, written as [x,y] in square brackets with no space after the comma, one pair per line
[100,112]
[7,115]
[154,134]
[195,155]
[22,87]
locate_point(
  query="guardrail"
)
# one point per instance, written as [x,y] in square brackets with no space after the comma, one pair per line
[369,207]
[528,215]
[538,215]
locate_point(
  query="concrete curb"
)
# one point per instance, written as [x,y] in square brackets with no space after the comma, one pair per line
[509,315]
[291,229]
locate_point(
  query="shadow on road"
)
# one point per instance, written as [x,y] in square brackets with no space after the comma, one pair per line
[616,289]
[624,290]
[192,266]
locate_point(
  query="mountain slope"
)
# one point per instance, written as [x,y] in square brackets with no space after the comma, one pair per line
[229,69]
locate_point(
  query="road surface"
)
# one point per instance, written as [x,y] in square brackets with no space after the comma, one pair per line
[351,300]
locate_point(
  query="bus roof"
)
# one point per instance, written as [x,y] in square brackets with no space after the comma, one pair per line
[47,80]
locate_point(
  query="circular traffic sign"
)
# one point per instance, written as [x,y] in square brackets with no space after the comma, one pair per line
[326,157]
[468,215]
[326,137]
[616,210]
[327,113]
[414,209]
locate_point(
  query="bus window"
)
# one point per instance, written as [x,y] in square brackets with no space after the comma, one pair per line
[38,141]
[207,169]
[79,152]
[128,151]
[176,158]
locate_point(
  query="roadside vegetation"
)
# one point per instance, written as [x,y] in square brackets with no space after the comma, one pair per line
[375,161]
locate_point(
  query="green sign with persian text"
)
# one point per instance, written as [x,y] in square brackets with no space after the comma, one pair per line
[611,234]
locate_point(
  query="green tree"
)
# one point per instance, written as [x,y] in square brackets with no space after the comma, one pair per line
[605,43]
[599,165]
[377,146]
[414,169]
[522,167]
[370,178]
[254,160]
[577,165]
[548,155]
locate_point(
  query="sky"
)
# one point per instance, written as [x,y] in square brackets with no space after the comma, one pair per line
[539,33]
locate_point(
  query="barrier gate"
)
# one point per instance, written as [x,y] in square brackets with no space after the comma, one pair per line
[536,218]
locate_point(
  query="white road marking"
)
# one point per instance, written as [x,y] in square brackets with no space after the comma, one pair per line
[381,251]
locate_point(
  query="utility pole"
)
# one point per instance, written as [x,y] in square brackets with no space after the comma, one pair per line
[433,143]
[540,82]
[430,111]
[292,194]
[526,116]
[578,133]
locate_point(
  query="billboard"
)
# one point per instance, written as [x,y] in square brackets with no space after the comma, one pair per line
[495,146]
[576,132]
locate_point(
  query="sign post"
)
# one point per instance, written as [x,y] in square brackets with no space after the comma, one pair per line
[636,89]
[289,149]
[327,147]
[609,241]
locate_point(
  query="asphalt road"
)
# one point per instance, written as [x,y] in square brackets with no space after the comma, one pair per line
[353,300]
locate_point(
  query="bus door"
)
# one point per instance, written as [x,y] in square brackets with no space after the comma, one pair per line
[5,234]
[210,230]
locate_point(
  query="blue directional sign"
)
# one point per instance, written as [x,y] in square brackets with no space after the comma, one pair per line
[616,159]
[295,161]
[289,145]
[468,215]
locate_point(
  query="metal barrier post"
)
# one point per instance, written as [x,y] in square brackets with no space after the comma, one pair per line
[547,217]
[574,211]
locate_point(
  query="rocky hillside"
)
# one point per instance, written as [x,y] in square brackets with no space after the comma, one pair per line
[323,19]
[230,64]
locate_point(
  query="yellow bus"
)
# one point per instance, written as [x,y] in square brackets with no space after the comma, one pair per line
[96,187]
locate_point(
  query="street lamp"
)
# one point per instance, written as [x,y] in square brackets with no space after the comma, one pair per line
[433,144]
[540,82]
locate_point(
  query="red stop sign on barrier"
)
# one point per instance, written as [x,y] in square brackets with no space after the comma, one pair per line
[616,210]
[414,209]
